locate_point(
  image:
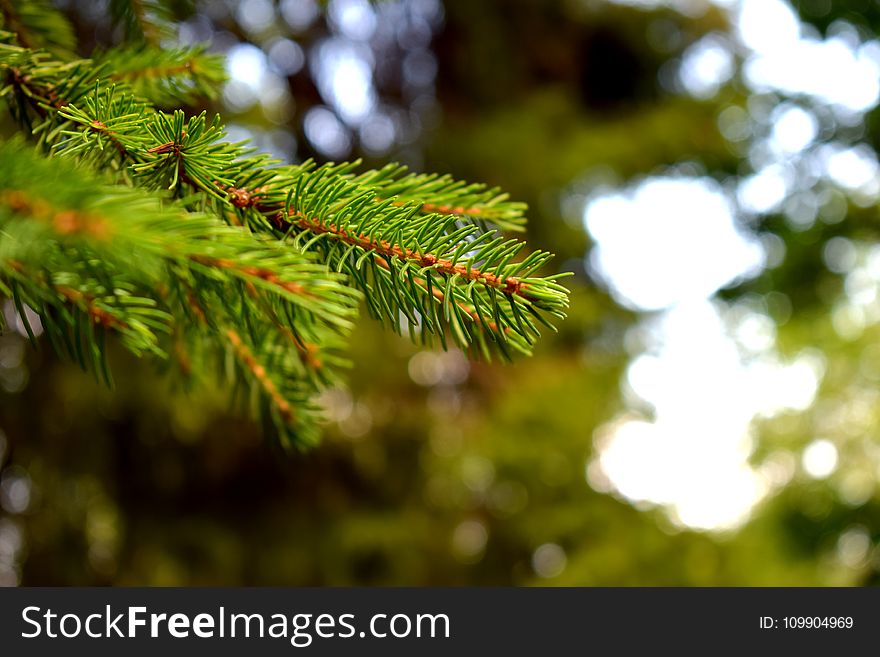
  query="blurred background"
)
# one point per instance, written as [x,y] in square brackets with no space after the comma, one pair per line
[708,414]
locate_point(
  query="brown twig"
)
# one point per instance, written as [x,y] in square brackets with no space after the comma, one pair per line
[307,351]
[508,285]
[438,294]
[56,103]
[174,148]
[97,314]
[247,358]
[458,210]
[255,272]
[243,198]
[64,222]
[101,129]
[86,302]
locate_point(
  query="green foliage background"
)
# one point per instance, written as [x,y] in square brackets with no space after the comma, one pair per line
[457,482]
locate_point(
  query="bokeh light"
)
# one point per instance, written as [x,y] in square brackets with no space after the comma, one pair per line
[704,373]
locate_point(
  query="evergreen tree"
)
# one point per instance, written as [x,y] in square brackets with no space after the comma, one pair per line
[122,216]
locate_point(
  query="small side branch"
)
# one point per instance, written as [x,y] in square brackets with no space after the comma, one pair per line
[250,362]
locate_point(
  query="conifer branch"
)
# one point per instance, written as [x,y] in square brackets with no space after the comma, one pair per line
[247,358]
[154,227]
[442,194]
[99,230]
[77,310]
[166,76]
[427,253]
[190,154]
[286,404]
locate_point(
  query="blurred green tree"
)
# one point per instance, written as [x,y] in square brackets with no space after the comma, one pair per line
[437,470]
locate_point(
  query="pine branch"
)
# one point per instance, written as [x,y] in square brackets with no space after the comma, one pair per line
[167,233]
[113,220]
[279,392]
[281,401]
[400,258]
[438,194]
[167,77]
[77,311]
[189,155]
[108,119]
[466,260]
[53,221]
